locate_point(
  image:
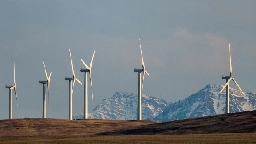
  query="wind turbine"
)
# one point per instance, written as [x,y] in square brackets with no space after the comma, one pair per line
[48,80]
[71,86]
[14,87]
[87,69]
[228,79]
[140,83]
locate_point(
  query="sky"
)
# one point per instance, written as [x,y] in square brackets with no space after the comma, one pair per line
[185,47]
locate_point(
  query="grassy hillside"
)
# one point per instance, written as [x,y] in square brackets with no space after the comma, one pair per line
[243,122]
[227,128]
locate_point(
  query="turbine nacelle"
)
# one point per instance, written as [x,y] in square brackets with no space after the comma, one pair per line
[138,70]
[43,82]
[69,78]
[85,70]
[225,77]
[10,87]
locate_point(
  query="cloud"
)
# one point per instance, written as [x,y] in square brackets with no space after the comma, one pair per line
[186,51]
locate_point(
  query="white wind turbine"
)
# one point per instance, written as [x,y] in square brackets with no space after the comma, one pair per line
[74,79]
[14,87]
[228,79]
[87,69]
[140,84]
[48,81]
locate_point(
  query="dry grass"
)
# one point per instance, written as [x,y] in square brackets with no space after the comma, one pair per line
[235,138]
[60,127]
[229,128]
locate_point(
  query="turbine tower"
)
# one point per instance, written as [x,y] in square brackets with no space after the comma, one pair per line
[48,80]
[14,87]
[228,79]
[140,83]
[87,69]
[71,86]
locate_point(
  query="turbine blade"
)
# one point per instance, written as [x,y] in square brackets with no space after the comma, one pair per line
[142,60]
[72,87]
[15,91]
[142,83]
[86,66]
[73,82]
[14,77]
[46,75]
[92,59]
[91,83]
[49,78]
[141,50]
[225,85]
[142,63]
[50,75]
[48,88]
[15,86]
[17,103]
[72,91]
[230,63]
[238,86]
[146,72]
[78,81]
[71,63]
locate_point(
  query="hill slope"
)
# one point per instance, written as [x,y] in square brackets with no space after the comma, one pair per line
[243,122]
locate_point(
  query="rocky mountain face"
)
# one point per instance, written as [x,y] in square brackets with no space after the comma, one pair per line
[123,106]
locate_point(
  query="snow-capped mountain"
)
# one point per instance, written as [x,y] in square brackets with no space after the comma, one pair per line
[207,102]
[123,106]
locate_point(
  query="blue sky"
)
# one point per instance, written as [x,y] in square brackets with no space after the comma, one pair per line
[185,47]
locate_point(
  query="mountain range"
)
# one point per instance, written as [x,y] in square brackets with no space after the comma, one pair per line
[206,102]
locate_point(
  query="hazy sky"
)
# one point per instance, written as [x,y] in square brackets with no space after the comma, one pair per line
[185,47]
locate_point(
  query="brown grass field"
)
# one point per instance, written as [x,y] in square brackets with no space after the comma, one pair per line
[228,128]
[232,138]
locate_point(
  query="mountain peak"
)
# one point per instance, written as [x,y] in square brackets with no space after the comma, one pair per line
[123,106]
[207,102]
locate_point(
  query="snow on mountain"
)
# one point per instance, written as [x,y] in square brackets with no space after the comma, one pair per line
[123,106]
[207,102]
